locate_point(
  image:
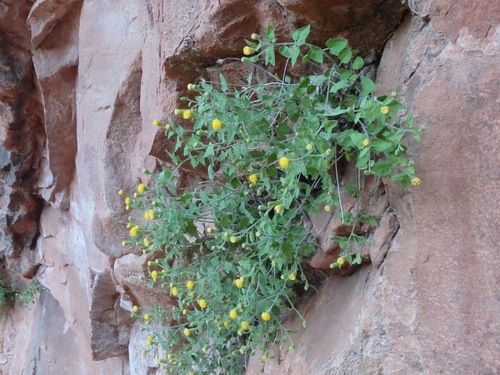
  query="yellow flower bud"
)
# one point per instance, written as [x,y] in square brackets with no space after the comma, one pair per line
[366,142]
[265,316]
[216,124]
[187,332]
[187,114]
[146,317]
[415,181]
[175,291]
[234,239]
[247,51]
[309,147]
[135,308]
[141,188]
[154,275]
[245,326]
[232,314]
[121,192]
[328,208]
[341,261]
[384,110]
[253,178]
[238,283]
[156,123]
[134,231]
[292,276]
[284,162]
[189,284]
[202,303]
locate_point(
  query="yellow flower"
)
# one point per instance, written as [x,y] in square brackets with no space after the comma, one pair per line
[154,275]
[415,181]
[309,147]
[190,86]
[234,239]
[128,201]
[156,123]
[292,276]
[366,142]
[170,356]
[384,110]
[202,303]
[135,308]
[187,114]
[238,283]
[216,124]
[121,192]
[141,188]
[175,291]
[187,332]
[149,215]
[245,326]
[134,231]
[209,230]
[148,343]
[232,314]
[258,234]
[284,162]
[146,317]
[144,351]
[265,316]
[191,373]
[264,358]
[247,51]
[341,261]
[278,209]
[253,178]
[189,284]
[147,242]
[328,208]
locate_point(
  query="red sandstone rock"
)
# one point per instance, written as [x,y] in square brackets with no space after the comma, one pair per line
[103,73]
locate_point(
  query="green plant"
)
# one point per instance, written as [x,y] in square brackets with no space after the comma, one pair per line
[231,248]
[7,292]
[29,295]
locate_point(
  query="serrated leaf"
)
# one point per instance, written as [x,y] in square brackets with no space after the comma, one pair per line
[315,53]
[336,45]
[383,167]
[270,56]
[270,38]
[367,85]
[301,34]
[223,83]
[357,63]
[345,55]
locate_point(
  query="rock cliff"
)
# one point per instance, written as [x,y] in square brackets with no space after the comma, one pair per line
[82,81]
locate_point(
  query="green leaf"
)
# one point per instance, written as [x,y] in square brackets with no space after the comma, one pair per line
[270,38]
[295,54]
[301,35]
[367,85]
[357,63]
[383,167]
[270,56]
[336,45]
[345,55]
[367,218]
[315,53]
[223,83]
[285,52]
[402,178]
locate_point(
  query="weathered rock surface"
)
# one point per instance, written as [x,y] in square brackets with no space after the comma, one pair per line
[80,84]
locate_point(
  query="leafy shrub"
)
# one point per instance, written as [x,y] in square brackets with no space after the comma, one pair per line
[231,248]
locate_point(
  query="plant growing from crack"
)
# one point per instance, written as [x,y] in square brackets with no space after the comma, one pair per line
[230,249]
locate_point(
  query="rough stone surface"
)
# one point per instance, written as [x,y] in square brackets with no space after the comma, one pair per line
[82,81]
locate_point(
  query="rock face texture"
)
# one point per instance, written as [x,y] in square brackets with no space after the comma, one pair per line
[82,81]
